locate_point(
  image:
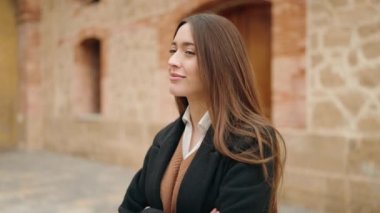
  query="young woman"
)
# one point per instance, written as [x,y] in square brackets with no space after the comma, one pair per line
[221,154]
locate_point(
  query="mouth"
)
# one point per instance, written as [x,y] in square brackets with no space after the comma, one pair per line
[176,76]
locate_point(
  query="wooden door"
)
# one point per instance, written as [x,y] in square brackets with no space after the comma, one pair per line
[254,24]
[8,75]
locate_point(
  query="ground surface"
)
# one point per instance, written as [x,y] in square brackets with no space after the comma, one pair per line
[41,182]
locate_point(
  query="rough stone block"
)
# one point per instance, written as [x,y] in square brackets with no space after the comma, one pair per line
[303,190]
[338,3]
[365,196]
[337,37]
[315,152]
[368,30]
[318,8]
[369,122]
[369,77]
[356,15]
[326,115]
[331,79]
[373,3]
[320,22]
[336,193]
[364,158]
[311,193]
[371,50]
[352,100]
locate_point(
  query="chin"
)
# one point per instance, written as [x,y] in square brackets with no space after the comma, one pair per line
[176,92]
[173,91]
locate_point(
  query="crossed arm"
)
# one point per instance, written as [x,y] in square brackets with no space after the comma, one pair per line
[243,189]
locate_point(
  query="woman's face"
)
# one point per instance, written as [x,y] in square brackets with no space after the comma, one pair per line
[183,67]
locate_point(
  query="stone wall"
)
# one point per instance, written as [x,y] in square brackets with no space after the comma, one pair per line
[334,165]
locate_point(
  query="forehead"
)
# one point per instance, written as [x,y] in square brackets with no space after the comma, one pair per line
[184,34]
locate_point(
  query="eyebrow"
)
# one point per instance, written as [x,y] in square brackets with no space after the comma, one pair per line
[184,43]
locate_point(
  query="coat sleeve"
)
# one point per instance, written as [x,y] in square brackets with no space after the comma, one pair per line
[152,210]
[135,200]
[243,189]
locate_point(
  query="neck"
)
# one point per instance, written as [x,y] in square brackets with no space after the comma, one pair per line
[197,109]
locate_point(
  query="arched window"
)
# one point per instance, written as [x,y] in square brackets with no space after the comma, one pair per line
[87,77]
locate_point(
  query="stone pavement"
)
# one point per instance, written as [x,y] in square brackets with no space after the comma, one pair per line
[41,182]
[44,182]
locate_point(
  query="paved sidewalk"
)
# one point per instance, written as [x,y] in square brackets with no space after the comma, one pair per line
[41,182]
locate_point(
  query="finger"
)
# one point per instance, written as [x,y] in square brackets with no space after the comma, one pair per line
[215,211]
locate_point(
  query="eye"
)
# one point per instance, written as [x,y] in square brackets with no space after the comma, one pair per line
[172,51]
[190,53]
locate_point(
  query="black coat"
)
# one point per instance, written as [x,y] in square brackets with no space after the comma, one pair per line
[211,181]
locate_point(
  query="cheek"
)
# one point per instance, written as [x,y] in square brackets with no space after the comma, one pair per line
[193,71]
[195,82]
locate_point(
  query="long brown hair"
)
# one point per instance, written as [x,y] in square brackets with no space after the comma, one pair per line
[233,102]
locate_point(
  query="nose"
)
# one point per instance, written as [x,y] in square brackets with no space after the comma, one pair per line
[174,60]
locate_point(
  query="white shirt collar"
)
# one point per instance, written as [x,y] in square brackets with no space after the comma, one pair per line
[204,123]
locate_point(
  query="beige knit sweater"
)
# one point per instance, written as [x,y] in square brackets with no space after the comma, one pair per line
[173,178]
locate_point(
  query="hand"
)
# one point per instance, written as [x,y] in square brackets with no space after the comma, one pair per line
[215,211]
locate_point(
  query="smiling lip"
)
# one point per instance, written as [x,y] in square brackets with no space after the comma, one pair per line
[175,76]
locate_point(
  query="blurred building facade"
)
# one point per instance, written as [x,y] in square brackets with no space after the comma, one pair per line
[89,78]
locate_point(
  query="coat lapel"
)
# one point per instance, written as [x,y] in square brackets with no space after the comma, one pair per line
[198,177]
[167,145]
